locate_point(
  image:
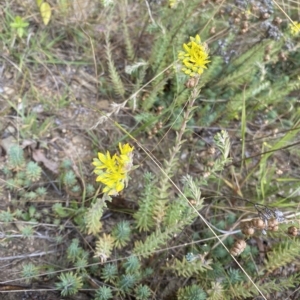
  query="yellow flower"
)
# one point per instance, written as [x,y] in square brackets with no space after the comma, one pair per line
[104,161]
[113,170]
[172,3]
[194,58]
[125,158]
[294,28]
[126,149]
[113,181]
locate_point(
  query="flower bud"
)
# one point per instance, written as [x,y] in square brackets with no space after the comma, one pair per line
[212,30]
[192,82]
[293,231]
[258,223]
[273,224]
[237,20]
[277,21]
[248,231]
[265,16]
[245,25]
[243,31]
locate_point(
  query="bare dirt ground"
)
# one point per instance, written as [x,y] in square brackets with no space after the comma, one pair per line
[66,137]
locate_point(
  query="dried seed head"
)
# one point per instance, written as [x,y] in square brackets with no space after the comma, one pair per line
[206,174]
[258,223]
[282,56]
[145,96]
[273,224]
[246,224]
[238,247]
[293,231]
[237,20]
[248,231]
[268,49]
[245,25]
[193,201]
[243,31]
[265,16]
[246,16]
[212,30]
[267,57]
[277,21]
[210,163]
[160,108]
[211,150]
[192,82]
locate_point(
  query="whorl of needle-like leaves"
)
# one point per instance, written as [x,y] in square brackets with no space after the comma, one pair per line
[142,292]
[194,292]
[126,283]
[109,273]
[104,293]
[282,254]
[93,216]
[69,283]
[121,233]
[187,269]
[33,171]
[73,250]
[144,214]
[69,178]
[132,264]
[113,73]
[16,160]
[29,272]
[104,247]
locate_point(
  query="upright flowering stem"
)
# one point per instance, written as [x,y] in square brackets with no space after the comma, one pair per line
[194,59]
[170,164]
[186,117]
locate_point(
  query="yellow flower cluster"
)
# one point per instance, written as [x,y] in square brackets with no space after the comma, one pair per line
[172,3]
[113,170]
[294,28]
[194,57]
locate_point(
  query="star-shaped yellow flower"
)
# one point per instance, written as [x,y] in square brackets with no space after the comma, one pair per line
[194,58]
[294,28]
[113,170]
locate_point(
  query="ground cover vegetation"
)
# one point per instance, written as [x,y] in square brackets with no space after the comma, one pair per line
[149,149]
